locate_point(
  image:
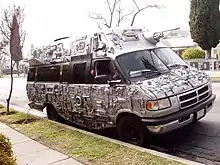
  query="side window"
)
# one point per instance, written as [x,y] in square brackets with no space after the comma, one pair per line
[50,74]
[65,73]
[103,72]
[102,67]
[79,73]
[31,74]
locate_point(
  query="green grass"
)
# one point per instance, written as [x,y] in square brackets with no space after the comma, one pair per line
[84,148]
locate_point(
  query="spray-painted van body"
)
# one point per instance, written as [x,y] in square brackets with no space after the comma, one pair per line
[119,79]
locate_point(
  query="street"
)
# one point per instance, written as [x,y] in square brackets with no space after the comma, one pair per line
[198,142]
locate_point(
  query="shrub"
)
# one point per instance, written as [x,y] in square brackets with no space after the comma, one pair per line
[6,153]
[218,55]
[193,53]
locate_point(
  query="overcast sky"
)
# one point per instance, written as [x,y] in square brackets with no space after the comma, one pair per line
[50,19]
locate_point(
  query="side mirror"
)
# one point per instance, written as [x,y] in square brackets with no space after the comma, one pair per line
[113,83]
[103,79]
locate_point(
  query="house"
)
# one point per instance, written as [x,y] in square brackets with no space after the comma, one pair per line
[179,40]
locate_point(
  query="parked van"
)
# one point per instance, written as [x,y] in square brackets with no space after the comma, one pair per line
[121,79]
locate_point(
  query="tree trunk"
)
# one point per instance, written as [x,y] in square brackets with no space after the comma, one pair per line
[1,74]
[2,62]
[208,53]
[9,97]
[17,66]
[1,65]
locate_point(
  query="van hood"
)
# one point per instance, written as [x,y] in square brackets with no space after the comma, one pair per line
[177,81]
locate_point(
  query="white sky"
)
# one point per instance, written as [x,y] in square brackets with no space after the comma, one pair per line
[50,19]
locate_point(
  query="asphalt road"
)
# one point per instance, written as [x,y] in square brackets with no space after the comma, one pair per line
[199,142]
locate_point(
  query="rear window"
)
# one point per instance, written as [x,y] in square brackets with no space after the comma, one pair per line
[31,74]
[50,74]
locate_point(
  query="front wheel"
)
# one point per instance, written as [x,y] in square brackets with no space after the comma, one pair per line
[131,130]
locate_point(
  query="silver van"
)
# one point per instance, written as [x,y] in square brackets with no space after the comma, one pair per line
[120,78]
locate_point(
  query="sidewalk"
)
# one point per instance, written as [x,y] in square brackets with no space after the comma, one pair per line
[30,152]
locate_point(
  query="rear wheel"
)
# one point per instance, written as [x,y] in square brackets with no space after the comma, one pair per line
[131,130]
[52,113]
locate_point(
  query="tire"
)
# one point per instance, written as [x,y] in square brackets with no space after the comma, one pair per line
[52,113]
[131,130]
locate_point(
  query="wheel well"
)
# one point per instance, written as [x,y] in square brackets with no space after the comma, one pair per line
[47,105]
[125,114]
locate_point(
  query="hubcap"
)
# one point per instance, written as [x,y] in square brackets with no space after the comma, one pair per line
[134,135]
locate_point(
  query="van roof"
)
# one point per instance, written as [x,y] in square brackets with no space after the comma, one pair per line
[108,43]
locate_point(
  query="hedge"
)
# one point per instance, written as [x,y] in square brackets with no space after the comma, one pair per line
[6,153]
[193,53]
[218,55]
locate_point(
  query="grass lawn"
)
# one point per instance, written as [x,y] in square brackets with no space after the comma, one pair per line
[84,148]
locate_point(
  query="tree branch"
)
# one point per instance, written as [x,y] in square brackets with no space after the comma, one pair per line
[119,14]
[136,4]
[112,11]
[23,37]
[109,6]
[141,9]
[122,16]
[4,31]
[126,15]
[100,17]
[6,19]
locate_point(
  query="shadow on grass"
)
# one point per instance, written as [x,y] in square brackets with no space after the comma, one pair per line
[25,121]
[8,113]
[107,132]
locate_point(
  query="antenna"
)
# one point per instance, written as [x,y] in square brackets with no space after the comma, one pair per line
[168,30]
[60,38]
[157,36]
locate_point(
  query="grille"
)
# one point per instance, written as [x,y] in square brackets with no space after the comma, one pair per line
[193,97]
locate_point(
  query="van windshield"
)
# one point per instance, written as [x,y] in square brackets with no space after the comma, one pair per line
[169,57]
[141,63]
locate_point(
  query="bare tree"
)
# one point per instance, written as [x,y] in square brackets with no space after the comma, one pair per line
[111,9]
[3,53]
[141,9]
[6,27]
[116,8]
[122,15]
[12,32]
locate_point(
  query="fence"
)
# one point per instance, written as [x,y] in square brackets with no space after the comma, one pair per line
[205,64]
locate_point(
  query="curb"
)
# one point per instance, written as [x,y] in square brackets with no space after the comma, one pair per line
[152,152]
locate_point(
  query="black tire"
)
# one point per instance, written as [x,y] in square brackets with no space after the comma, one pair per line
[52,113]
[131,130]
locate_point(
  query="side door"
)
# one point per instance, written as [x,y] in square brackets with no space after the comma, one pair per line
[64,98]
[79,90]
[100,87]
[47,85]
[109,97]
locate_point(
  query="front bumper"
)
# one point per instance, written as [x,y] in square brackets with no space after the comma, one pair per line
[179,119]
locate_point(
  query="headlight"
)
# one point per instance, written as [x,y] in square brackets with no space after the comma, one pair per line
[158,104]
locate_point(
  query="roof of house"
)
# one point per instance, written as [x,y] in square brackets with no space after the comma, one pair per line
[178,39]
[180,42]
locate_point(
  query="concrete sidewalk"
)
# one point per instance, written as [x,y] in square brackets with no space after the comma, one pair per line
[28,151]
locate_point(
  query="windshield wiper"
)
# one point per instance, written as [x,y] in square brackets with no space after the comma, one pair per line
[141,72]
[176,65]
